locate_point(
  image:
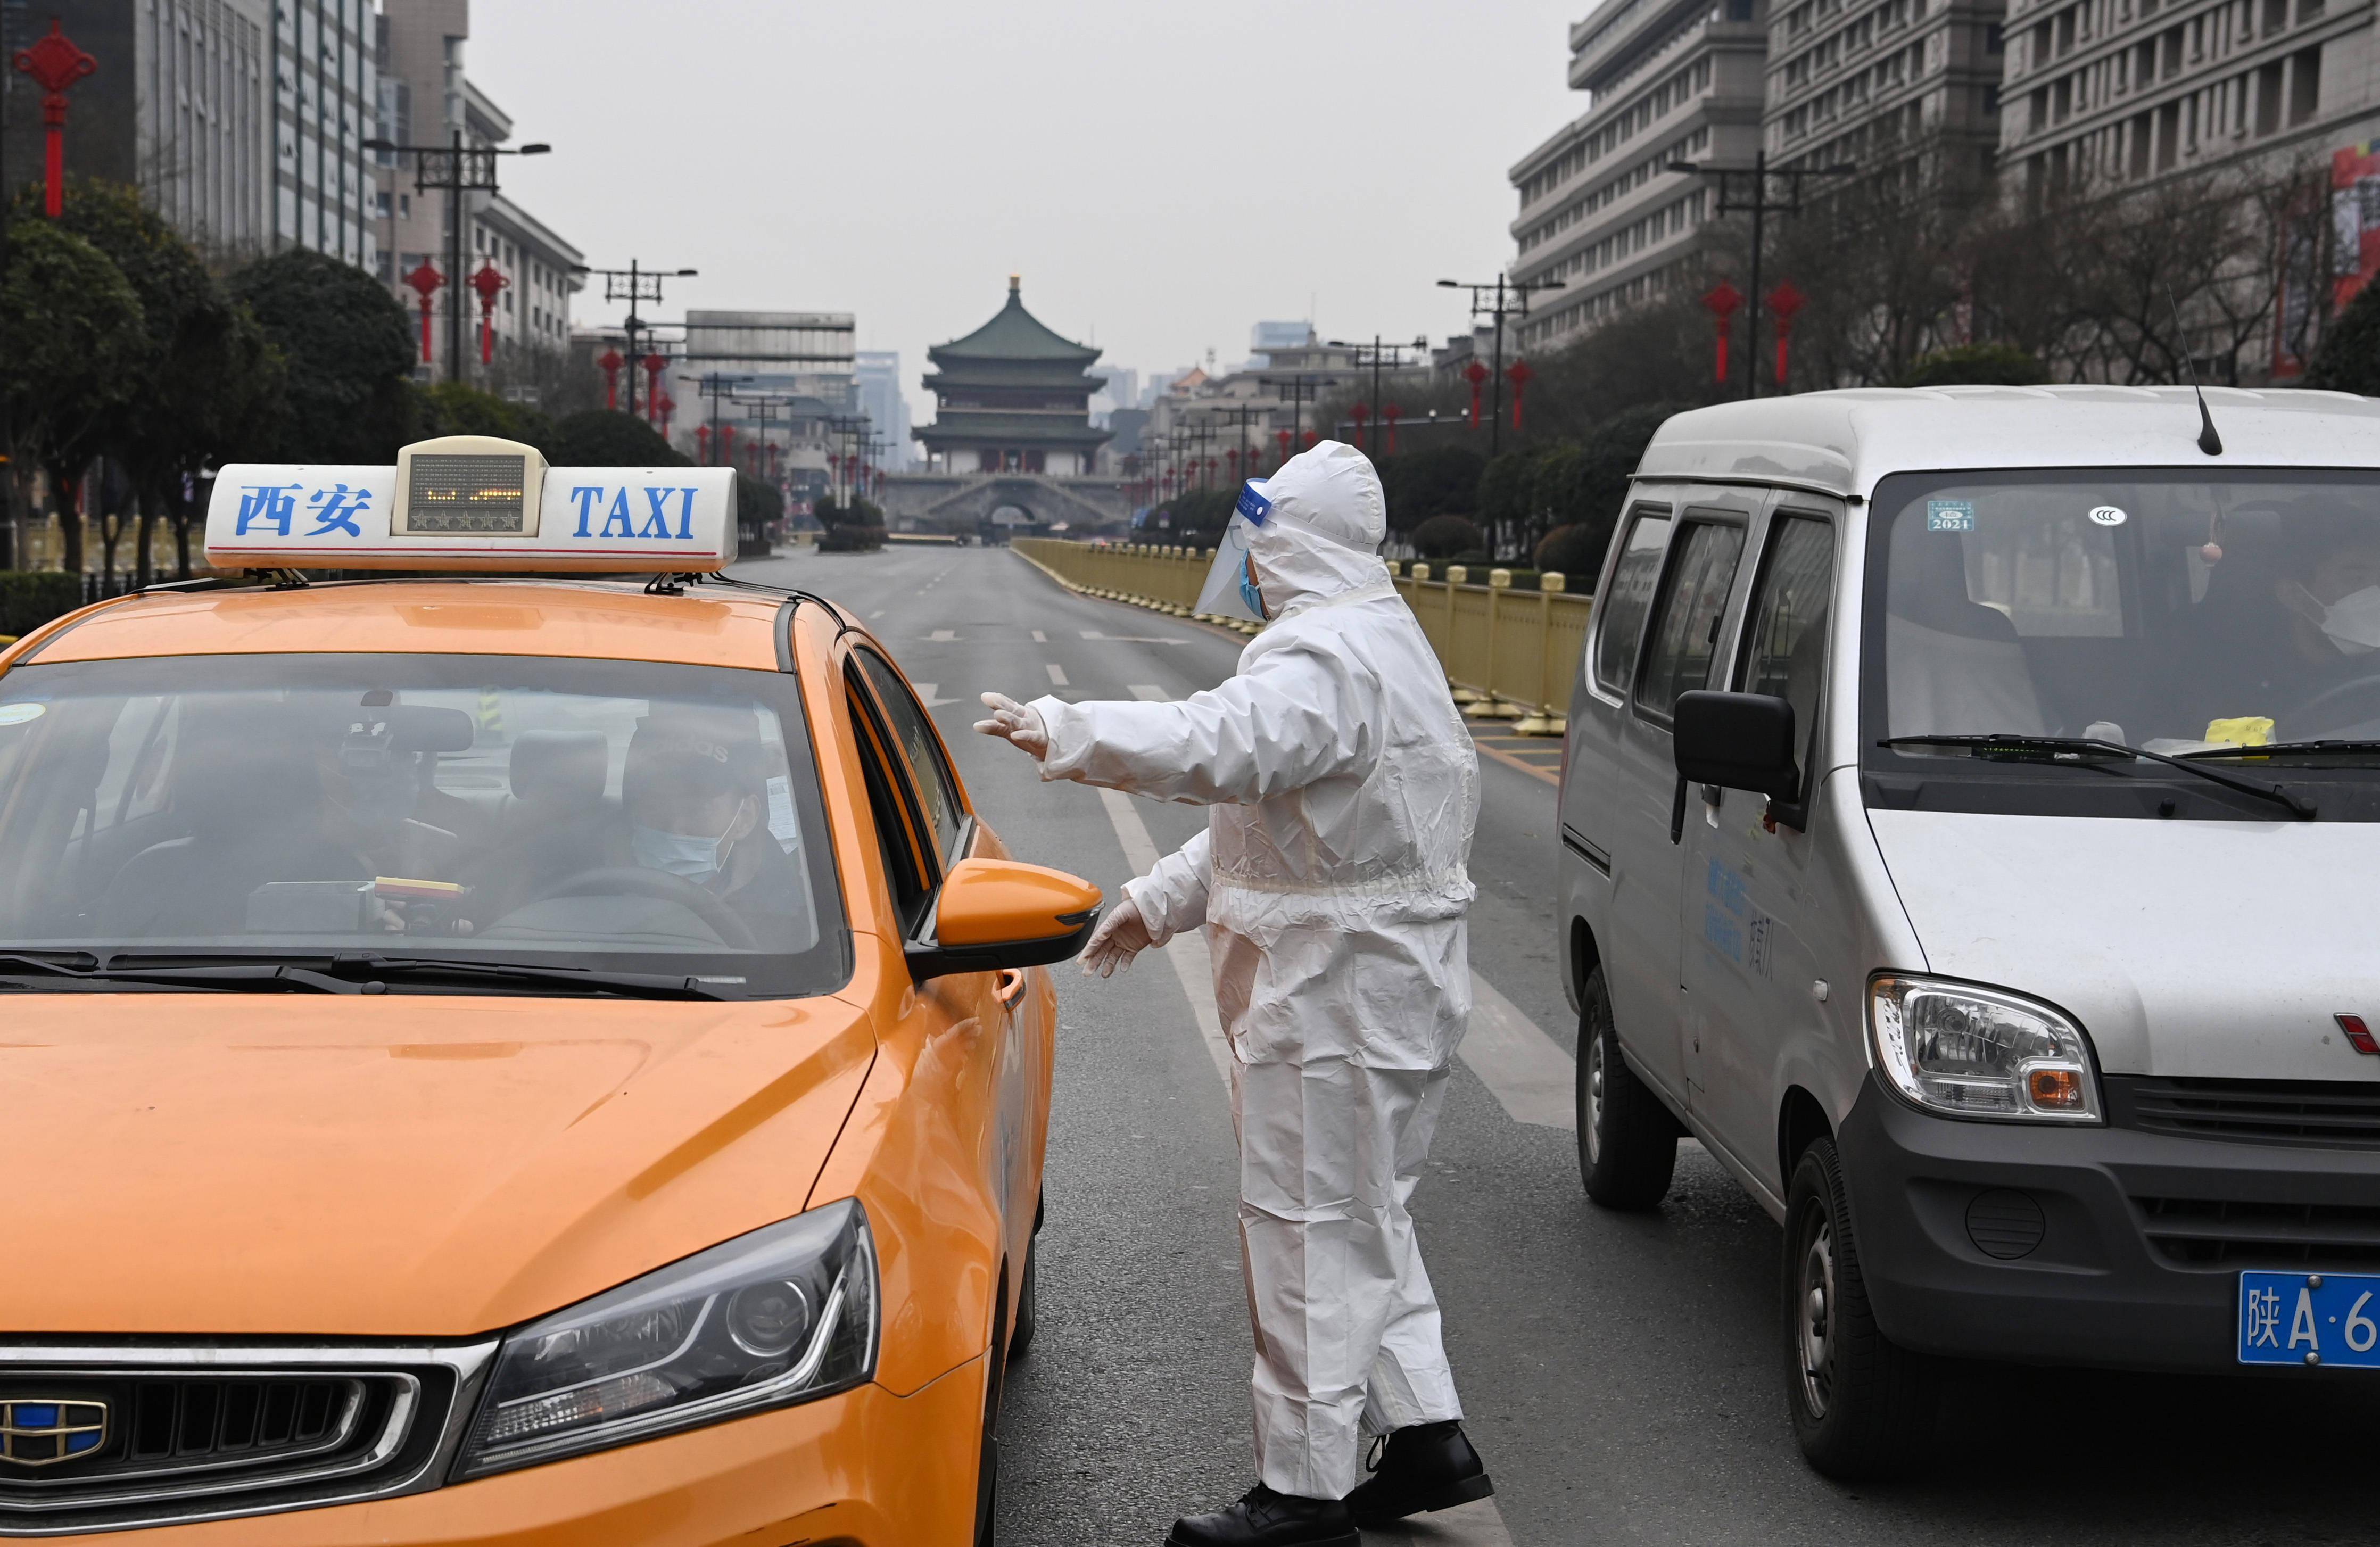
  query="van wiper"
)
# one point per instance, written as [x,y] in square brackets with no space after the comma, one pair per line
[2049,748]
[251,976]
[2288,749]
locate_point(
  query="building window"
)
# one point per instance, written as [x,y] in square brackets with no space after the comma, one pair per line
[2305,85]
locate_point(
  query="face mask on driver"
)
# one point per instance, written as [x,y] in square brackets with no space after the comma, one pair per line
[688,854]
[2352,622]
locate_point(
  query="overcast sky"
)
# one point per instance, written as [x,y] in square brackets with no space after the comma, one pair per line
[1162,175]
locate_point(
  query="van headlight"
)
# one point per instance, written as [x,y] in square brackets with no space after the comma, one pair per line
[784,1314]
[1981,1052]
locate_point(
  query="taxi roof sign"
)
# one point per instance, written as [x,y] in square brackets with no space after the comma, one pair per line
[472,502]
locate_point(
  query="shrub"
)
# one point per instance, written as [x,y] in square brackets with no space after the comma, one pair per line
[1433,482]
[1976,365]
[1576,550]
[30,598]
[1446,536]
[605,437]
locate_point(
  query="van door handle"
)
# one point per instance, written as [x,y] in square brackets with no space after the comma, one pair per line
[1011,986]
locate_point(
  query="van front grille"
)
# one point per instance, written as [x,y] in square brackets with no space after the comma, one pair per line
[2206,1232]
[2328,1114]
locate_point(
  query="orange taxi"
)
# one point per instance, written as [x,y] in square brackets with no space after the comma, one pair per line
[501,1060]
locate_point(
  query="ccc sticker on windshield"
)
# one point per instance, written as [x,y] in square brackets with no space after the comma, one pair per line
[2107,515]
[1950,515]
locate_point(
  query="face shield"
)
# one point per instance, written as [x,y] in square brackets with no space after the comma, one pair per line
[1231,587]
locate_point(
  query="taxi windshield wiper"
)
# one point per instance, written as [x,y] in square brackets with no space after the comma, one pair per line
[249,976]
[2049,748]
[2289,749]
[641,986]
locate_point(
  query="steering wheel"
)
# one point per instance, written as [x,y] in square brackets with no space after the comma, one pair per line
[631,880]
[2365,686]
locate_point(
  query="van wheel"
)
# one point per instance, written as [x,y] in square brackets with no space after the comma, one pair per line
[1627,1140]
[1862,1406]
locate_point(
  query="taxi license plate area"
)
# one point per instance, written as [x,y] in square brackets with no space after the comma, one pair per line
[2309,1318]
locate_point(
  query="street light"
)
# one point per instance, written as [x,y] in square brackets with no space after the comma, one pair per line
[1759,206]
[455,169]
[1380,351]
[635,282]
[1512,300]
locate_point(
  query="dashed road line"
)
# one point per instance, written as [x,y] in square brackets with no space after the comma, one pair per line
[1039,638]
[941,636]
[1187,953]
[1150,694]
[1058,675]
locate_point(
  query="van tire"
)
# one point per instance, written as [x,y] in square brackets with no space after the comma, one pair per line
[1627,1139]
[1862,1406]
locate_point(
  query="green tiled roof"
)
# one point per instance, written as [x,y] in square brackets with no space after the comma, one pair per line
[1013,334]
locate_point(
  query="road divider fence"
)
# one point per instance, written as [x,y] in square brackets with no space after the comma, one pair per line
[1508,654]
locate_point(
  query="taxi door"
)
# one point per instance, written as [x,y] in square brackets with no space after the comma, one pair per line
[1756,925]
[979,1048]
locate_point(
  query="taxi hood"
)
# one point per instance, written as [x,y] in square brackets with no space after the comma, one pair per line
[2209,948]
[393,1165]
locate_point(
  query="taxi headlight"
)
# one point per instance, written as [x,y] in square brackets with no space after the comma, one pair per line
[1981,1052]
[786,1313]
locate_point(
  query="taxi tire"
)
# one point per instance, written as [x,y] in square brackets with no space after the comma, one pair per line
[1627,1139]
[1879,1397]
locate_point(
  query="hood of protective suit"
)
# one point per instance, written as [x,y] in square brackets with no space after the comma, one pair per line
[1323,537]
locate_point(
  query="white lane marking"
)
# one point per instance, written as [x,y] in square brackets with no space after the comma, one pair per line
[1132,638]
[878,613]
[926,691]
[1148,694]
[1186,952]
[1528,1073]
[1058,675]
[1039,638]
[941,637]
[1470,1525]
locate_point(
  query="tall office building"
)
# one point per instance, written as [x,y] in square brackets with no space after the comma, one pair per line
[1871,84]
[1668,80]
[326,89]
[878,372]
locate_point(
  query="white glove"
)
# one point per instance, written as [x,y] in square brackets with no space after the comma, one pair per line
[1017,724]
[1120,936]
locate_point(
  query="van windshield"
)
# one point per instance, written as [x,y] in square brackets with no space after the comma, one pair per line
[2229,619]
[590,816]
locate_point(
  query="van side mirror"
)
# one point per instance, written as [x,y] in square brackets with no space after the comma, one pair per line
[994,915]
[1737,741]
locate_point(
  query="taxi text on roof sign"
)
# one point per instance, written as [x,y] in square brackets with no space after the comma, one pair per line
[472,502]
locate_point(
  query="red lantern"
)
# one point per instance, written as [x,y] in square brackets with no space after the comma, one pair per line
[669,406]
[425,281]
[1520,375]
[1393,413]
[1310,440]
[654,366]
[1363,412]
[55,64]
[727,444]
[702,444]
[1722,302]
[610,365]
[1281,436]
[1783,302]
[488,282]
[1476,374]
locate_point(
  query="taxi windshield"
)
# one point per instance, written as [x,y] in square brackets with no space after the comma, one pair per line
[2228,619]
[621,817]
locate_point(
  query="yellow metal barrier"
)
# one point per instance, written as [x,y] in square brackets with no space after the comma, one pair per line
[1508,654]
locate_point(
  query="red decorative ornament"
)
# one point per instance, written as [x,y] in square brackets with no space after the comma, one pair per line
[425,282]
[1723,300]
[654,365]
[727,444]
[1783,302]
[1310,440]
[702,444]
[669,406]
[1361,412]
[1232,463]
[1281,436]
[1476,374]
[1520,375]
[1392,413]
[489,282]
[55,64]
[610,364]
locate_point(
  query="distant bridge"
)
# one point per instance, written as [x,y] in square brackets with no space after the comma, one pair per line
[962,503]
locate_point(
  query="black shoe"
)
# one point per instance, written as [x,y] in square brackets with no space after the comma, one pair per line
[1264,1518]
[1429,1466]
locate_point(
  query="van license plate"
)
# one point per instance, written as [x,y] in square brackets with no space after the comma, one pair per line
[2309,1318]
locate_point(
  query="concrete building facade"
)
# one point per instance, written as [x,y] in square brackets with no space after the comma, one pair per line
[1868,83]
[1668,80]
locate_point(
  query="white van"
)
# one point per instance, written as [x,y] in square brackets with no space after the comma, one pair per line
[1971,824]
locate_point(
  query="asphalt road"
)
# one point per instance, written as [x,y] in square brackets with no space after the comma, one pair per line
[1622,1374]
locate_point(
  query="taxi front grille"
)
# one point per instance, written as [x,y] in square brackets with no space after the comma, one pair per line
[209,1433]
[2225,1233]
[2328,1113]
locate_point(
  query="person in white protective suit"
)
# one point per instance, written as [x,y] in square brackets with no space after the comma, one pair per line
[1341,789]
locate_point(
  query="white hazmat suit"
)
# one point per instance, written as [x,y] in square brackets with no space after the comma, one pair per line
[1332,879]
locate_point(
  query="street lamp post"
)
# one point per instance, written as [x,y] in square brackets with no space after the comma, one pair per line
[1512,300]
[1759,206]
[634,283]
[454,168]
[1378,353]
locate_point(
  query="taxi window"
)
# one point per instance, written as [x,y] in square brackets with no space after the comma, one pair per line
[892,802]
[623,815]
[929,771]
[1686,618]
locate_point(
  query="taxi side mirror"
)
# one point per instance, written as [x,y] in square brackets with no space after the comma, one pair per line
[1737,741]
[994,915]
